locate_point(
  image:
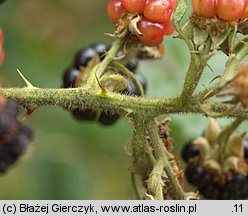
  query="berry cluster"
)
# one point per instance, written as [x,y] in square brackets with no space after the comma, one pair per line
[212,185]
[14,136]
[75,73]
[228,10]
[156,17]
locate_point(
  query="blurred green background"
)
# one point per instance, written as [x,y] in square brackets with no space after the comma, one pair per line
[71,159]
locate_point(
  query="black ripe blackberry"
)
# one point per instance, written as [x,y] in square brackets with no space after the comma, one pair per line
[132,87]
[132,64]
[236,187]
[197,175]
[246,150]
[14,146]
[70,77]
[7,114]
[83,57]
[106,118]
[231,186]
[14,136]
[84,114]
[189,151]
[143,81]
[193,173]
[100,49]
[211,191]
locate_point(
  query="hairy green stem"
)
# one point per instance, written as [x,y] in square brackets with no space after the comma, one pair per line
[134,184]
[139,138]
[78,97]
[195,70]
[155,182]
[110,55]
[161,155]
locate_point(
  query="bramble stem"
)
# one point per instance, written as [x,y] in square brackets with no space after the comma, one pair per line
[155,182]
[78,97]
[161,155]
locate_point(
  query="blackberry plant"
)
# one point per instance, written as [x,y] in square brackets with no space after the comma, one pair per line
[103,84]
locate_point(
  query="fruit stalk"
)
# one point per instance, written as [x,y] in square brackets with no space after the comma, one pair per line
[110,55]
[197,65]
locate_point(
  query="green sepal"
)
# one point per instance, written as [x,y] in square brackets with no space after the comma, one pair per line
[187,29]
[179,12]
[218,39]
[235,145]
[114,82]
[200,36]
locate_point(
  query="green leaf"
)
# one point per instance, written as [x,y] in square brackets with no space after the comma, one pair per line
[232,39]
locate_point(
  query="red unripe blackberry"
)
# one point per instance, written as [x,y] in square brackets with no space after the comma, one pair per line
[153,33]
[158,10]
[173,2]
[2,54]
[134,6]
[115,9]
[245,14]
[168,28]
[1,37]
[231,10]
[205,8]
